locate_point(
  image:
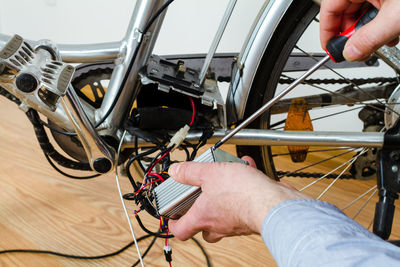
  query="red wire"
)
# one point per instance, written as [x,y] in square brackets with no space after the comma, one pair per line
[166,239]
[156,175]
[155,163]
[194,111]
[170,265]
[143,186]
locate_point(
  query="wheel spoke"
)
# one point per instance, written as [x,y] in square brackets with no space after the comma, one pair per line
[336,179]
[349,81]
[352,99]
[314,151]
[359,197]
[365,203]
[319,118]
[370,224]
[350,161]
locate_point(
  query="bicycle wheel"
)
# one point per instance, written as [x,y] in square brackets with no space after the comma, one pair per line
[326,101]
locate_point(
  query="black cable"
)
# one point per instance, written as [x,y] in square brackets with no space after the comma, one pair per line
[56,130]
[131,160]
[135,53]
[136,150]
[165,159]
[203,250]
[146,251]
[150,232]
[48,148]
[9,96]
[155,16]
[59,254]
[69,175]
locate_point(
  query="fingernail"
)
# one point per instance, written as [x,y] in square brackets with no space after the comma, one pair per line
[351,53]
[173,169]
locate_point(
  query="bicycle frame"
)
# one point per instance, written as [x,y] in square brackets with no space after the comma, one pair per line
[126,76]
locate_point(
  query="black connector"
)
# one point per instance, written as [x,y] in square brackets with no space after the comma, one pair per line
[168,253]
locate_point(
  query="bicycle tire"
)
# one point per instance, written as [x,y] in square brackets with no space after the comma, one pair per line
[293,24]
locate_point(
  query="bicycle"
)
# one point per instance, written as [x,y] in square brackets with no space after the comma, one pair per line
[141,85]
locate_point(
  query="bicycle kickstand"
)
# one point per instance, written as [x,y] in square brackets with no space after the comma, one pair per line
[388,175]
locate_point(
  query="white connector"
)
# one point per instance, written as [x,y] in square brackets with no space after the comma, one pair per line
[167,249]
[178,137]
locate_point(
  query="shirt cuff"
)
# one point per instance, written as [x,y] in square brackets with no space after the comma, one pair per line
[294,225]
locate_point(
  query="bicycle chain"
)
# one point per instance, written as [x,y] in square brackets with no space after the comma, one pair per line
[341,81]
[281,174]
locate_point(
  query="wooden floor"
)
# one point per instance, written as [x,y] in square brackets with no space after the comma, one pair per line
[40,209]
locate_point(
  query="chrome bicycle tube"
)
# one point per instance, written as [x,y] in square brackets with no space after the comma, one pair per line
[122,75]
[259,137]
[80,53]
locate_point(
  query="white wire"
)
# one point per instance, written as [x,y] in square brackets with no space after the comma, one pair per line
[123,202]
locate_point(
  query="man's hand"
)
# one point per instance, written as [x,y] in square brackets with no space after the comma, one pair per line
[338,15]
[234,201]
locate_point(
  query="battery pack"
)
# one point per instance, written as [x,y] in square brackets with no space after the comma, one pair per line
[174,199]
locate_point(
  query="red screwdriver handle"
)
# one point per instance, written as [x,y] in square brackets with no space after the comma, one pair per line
[335,46]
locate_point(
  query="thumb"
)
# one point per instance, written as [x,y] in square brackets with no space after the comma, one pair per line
[370,37]
[190,173]
[250,161]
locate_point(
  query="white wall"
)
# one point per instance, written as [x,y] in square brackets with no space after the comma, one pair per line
[189,25]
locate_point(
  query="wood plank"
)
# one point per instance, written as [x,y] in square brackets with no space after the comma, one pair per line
[40,209]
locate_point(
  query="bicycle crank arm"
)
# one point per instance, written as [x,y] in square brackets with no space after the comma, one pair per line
[101,157]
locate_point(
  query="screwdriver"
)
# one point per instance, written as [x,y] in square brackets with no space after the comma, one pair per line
[334,50]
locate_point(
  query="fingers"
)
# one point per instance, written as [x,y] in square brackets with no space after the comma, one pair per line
[394,42]
[250,160]
[212,237]
[335,16]
[380,31]
[186,227]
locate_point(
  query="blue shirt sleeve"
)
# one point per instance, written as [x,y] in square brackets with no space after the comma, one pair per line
[303,232]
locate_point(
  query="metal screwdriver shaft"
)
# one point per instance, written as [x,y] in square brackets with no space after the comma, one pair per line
[266,106]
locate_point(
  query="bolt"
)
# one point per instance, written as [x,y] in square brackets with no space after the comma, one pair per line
[395,156]
[102,165]
[395,168]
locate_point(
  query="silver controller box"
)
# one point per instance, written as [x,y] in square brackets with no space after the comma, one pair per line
[174,199]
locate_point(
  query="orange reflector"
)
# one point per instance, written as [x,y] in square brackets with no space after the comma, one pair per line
[298,119]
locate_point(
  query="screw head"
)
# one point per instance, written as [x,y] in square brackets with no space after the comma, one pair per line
[395,168]
[26,82]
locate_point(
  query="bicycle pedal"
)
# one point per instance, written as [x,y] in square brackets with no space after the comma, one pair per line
[174,199]
[36,71]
